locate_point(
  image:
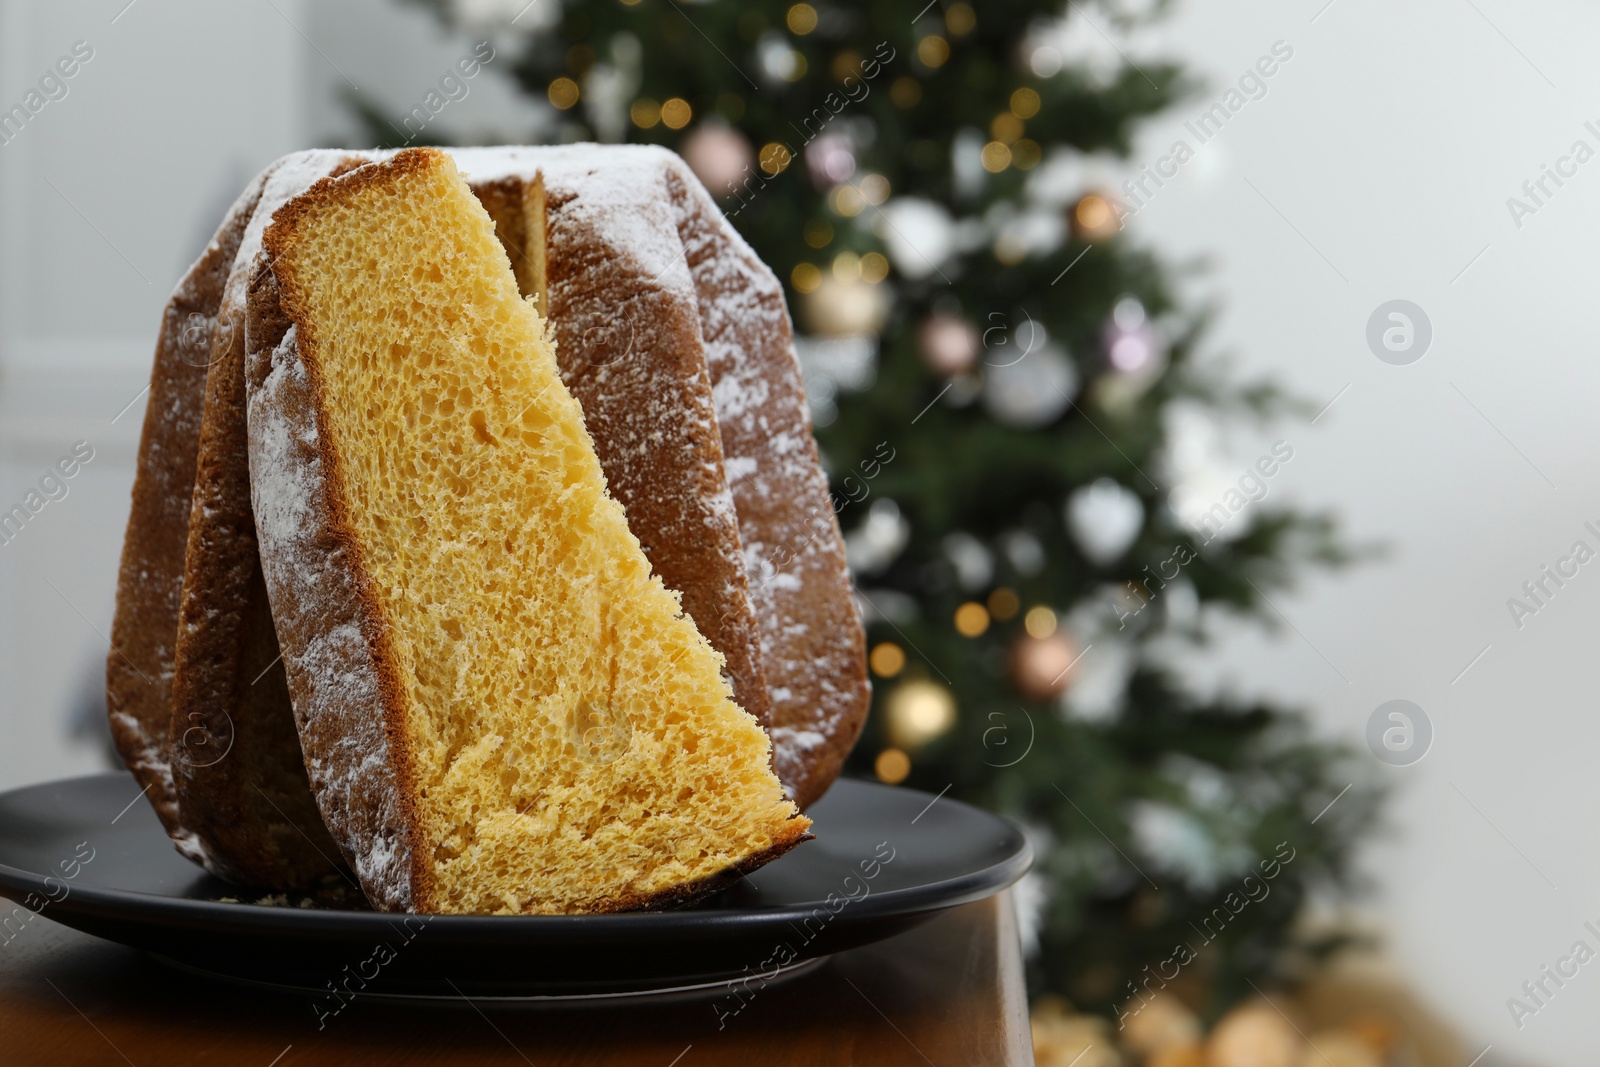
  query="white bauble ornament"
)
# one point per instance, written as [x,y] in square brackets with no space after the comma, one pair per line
[919,235]
[1104,519]
[719,155]
[1031,391]
[972,560]
[874,544]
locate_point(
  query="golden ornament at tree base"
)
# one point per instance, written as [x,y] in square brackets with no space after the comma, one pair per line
[1064,1039]
[1339,1048]
[1153,1025]
[1254,1035]
[1190,1055]
[1041,668]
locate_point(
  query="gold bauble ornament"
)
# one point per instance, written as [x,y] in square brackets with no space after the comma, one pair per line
[837,308]
[1041,668]
[1254,1035]
[916,711]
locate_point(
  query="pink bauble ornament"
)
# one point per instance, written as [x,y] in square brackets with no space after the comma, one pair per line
[1041,668]
[949,343]
[719,155]
[831,159]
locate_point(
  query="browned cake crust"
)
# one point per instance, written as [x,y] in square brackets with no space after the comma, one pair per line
[237,765]
[139,668]
[813,647]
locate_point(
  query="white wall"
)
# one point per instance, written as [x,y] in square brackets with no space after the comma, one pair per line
[182,102]
[105,197]
[1391,141]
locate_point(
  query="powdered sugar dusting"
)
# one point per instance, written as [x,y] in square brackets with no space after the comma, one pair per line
[812,645]
[322,628]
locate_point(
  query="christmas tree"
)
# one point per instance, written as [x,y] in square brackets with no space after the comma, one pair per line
[1000,378]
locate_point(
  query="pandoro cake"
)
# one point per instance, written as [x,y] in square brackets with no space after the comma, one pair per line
[640,278]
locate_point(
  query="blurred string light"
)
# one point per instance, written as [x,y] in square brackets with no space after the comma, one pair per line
[1005,128]
[1025,103]
[676,113]
[1003,604]
[972,619]
[892,766]
[846,64]
[801,19]
[996,157]
[563,93]
[644,112]
[805,277]
[933,51]
[887,660]
[775,158]
[1040,621]
[905,91]
[846,201]
[1093,219]
[917,711]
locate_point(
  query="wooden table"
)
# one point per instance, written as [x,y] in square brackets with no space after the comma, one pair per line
[949,993]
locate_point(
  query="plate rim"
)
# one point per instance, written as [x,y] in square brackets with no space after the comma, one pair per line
[250,918]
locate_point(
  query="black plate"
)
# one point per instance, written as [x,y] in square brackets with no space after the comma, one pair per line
[90,853]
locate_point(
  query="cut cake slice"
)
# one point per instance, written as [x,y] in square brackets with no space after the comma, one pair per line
[501,709]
